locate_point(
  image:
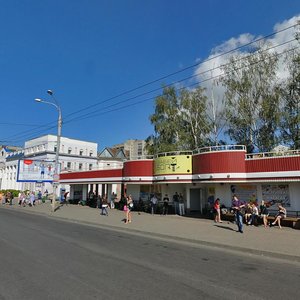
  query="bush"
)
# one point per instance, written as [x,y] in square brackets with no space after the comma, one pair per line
[15,193]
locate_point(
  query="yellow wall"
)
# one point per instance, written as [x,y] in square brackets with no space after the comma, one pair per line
[177,164]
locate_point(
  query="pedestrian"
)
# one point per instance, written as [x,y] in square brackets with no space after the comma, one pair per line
[112,200]
[153,203]
[129,209]
[32,199]
[140,205]
[128,206]
[166,204]
[22,199]
[280,215]
[2,198]
[254,214]
[217,211]
[238,207]
[264,213]
[9,198]
[248,212]
[181,205]
[104,206]
[39,197]
[176,203]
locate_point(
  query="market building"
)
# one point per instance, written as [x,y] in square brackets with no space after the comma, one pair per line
[201,176]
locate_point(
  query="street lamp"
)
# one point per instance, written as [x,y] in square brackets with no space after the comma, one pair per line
[59,124]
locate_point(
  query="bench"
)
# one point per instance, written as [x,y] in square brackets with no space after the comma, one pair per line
[288,221]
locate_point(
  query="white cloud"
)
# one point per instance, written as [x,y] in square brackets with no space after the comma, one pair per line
[210,68]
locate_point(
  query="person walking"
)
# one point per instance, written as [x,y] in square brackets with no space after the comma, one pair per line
[238,207]
[104,206]
[32,199]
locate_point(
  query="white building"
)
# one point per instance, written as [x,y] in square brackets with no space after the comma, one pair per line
[9,158]
[74,155]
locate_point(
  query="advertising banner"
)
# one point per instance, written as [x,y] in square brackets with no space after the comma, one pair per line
[276,194]
[35,170]
[245,192]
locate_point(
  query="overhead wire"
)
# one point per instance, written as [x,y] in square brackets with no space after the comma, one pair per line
[178,89]
[90,115]
[47,126]
[186,68]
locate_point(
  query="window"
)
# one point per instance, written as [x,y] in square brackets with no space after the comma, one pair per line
[80,166]
[91,153]
[55,148]
[70,151]
[69,165]
[90,166]
[80,152]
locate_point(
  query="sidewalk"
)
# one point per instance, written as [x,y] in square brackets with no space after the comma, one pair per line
[272,242]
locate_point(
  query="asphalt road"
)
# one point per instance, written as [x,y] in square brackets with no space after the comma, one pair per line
[42,258]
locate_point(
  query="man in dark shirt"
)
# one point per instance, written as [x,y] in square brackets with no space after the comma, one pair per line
[166,204]
[238,207]
[176,203]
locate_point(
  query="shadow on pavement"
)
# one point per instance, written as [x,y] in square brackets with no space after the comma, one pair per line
[225,227]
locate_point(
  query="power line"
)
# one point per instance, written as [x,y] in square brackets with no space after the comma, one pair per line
[151,98]
[185,69]
[174,83]
[47,126]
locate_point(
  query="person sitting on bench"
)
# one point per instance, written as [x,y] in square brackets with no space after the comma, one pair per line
[280,215]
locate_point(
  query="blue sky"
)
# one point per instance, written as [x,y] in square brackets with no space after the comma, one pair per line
[88,52]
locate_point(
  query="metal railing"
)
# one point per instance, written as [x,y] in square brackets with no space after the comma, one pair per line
[173,153]
[273,154]
[220,148]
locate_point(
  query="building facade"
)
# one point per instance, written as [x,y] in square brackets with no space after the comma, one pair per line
[74,155]
[202,176]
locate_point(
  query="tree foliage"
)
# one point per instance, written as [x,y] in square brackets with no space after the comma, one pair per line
[179,120]
[290,91]
[252,100]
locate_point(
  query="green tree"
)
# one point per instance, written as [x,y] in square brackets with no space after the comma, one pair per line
[251,99]
[179,120]
[166,121]
[290,93]
[193,108]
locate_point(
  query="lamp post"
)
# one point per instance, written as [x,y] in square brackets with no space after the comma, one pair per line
[59,124]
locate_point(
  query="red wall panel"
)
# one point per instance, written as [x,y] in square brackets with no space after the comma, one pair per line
[275,164]
[138,168]
[219,162]
[92,174]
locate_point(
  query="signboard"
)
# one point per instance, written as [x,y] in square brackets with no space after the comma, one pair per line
[176,164]
[35,170]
